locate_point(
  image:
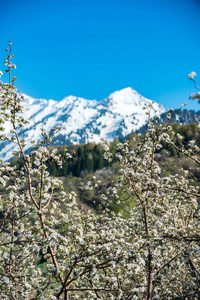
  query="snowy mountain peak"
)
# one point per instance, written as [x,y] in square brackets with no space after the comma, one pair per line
[126,95]
[128,101]
[82,120]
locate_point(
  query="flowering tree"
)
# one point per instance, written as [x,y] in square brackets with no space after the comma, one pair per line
[166,218]
[153,254]
[193,95]
[38,216]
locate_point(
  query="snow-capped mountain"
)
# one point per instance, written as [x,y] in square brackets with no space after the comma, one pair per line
[83,120]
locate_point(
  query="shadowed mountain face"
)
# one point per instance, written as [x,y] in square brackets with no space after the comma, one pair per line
[83,120]
[181,116]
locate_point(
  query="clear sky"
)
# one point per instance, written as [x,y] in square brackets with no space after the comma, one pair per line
[91,48]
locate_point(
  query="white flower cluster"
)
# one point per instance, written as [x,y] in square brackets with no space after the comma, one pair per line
[191,75]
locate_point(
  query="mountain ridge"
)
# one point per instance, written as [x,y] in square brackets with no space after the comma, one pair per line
[83,120]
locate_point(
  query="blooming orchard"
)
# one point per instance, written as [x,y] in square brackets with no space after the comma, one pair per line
[152,254]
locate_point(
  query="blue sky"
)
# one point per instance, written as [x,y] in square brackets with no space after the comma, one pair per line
[91,48]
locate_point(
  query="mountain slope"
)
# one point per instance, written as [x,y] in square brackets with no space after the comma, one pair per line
[180,116]
[83,120]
